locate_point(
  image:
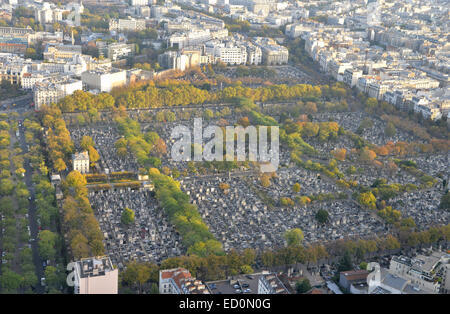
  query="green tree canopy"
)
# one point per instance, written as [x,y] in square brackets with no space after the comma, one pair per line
[303,286]
[10,281]
[127,216]
[47,244]
[294,237]
[445,201]
[322,216]
[390,129]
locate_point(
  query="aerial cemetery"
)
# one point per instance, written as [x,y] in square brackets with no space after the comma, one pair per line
[244,208]
[150,237]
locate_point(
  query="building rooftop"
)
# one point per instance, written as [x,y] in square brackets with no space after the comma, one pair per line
[395,282]
[94,266]
[231,286]
[427,263]
[194,286]
[184,280]
[80,156]
[315,291]
[355,275]
[104,70]
[246,284]
[380,290]
[334,287]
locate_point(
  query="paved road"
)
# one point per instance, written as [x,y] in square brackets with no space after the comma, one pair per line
[22,103]
[32,213]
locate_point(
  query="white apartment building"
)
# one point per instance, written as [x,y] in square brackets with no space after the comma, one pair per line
[271,284]
[233,9]
[139,2]
[227,52]
[104,80]
[55,37]
[296,30]
[119,51]
[400,98]
[232,55]
[351,76]
[80,162]
[52,90]
[95,275]
[173,60]
[190,38]
[363,82]
[337,69]
[219,33]
[126,24]
[324,59]
[429,111]
[157,11]
[419,270]
[312,44]
[377,89]
[75,66]
[29,80]
[425,83]
[43,95]
[47,14]
[272,53]
[254,54]
[12,72]
[61,53]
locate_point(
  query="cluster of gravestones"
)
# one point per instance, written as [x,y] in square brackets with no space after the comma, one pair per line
[150,238]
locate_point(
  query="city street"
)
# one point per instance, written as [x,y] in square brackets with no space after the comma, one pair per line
[32,213]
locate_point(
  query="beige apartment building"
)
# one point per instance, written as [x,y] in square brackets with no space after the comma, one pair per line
[81,162]
[96,275]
